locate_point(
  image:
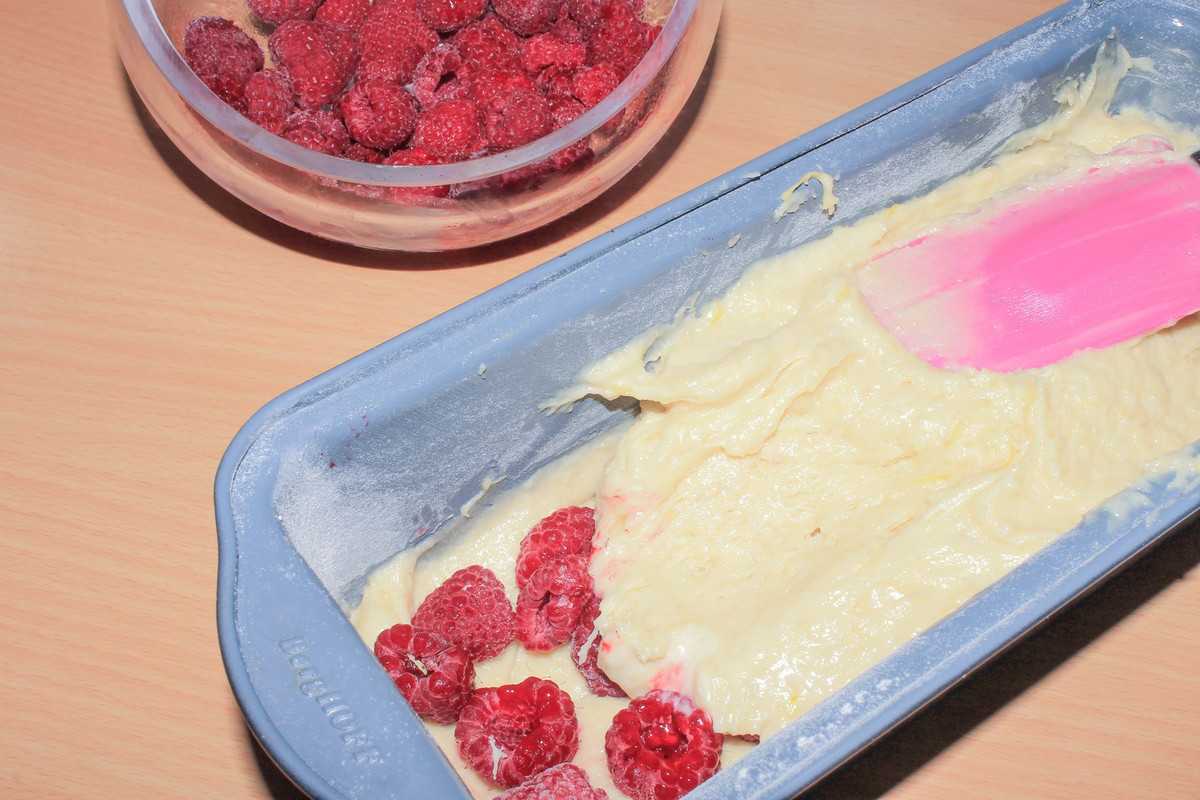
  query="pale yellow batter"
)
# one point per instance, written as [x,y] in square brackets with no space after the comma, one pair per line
[800,494]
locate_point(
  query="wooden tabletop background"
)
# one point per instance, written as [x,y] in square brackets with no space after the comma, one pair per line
[145,314]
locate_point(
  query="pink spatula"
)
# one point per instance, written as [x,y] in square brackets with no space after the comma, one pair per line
[1033,278]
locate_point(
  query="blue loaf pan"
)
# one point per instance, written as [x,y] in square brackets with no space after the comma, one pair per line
[333,478]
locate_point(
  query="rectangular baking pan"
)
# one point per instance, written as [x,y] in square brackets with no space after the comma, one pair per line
[333,478]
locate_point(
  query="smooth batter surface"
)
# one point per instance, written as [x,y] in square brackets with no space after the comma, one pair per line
[800,495]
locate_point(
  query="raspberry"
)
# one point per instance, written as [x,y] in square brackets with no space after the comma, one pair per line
[223,56]
[620,38]
[546,49]
[592,84]
[550,604]
[517,117]
[360,152]
[317,56]
[485,85]
[322,131]
[450,15]
[441,74]
[585,650]
[378,113]
[511,733]
[527,17]
[586,13]
[269,99]
[435,677]
[470,609]
[453,129]
[414,157]
[566,28]
[567,531]
[487,44]
[348,15]
[661,746]
[277,12]
[561,782]
[392,40]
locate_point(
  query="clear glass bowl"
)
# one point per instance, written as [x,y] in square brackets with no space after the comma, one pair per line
[357,203]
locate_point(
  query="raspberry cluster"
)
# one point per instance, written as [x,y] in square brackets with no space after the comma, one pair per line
[423,81]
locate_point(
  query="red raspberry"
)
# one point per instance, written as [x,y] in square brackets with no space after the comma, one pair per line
[546,50]
[592,84]
[453,130]
[561,782]
[567,531]
[487,45]
[277,12]
[435,677]
[378,113]
[345,14]
[527,17]
[550,604]
[392,40]
[487,84]
[620,37]
[517,117]
[223,56]
[586,13]
[415,157]
[450,15]
[317,56]
[367,155]
[269,99]
[661,747]
[511,733]
[585,651]
[470,609]
[442,74]
[566,28]
[322,131]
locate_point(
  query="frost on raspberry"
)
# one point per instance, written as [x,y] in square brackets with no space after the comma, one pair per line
[510,733]
[662,746]
[470,609]
[450,15]
[585,652]
[277,12]
[269,99]
[435,676]
[620,37]
[348,15]
[441,74]
[318,57]
[378,113]
[561,782]
[567,531]
[453,130]
[552,602]
[527,17]
[319,130]
[516,117]
[547,50]
[223,56]
[392,40]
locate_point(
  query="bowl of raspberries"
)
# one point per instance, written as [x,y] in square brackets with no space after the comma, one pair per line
[416,125]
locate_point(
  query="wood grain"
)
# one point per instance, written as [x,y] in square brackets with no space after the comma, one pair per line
[145,315]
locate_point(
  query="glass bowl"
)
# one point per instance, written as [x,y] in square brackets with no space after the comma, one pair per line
[491,198]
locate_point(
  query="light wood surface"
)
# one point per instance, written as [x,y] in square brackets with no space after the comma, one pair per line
[145,315]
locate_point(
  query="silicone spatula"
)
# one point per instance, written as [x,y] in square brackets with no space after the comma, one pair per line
[1034,277]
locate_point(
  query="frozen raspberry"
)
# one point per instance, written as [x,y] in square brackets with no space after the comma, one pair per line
[414,157]
[585,650]
[585,13]
[661,747]
[441,74]
[453,129]
[378,113]
[555,84]
[319,130]
[435,677]
[515,118]
[348,15]
[527,17]
[277,12]
[488,45]
[565,28]
[472,610]
[223,56]
[546,50]
[620,38]
[567,531]
[392,41]
[487,84]
[592,84]
[511,733]
[551,603]
[269,99]
[367,155]
[561,782]
[318,57]
[450,15]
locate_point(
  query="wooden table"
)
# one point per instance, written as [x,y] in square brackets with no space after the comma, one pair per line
[145,314]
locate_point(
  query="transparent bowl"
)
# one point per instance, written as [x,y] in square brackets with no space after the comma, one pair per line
[492,198]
